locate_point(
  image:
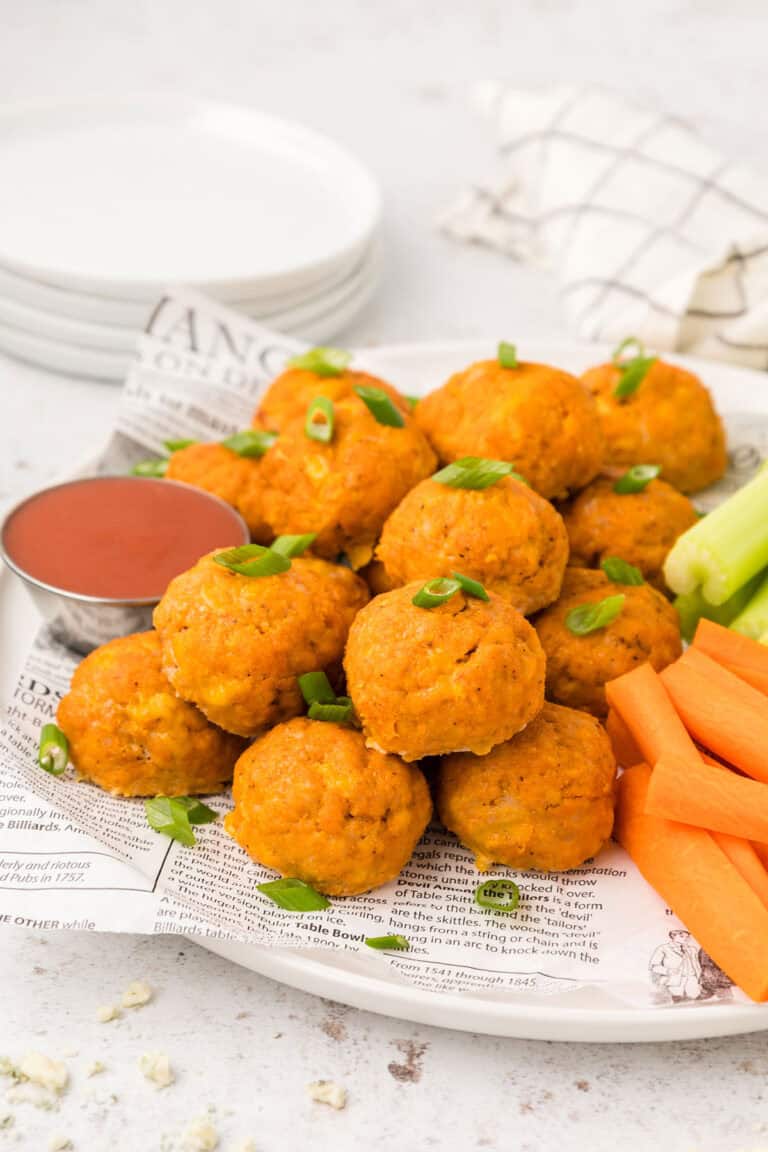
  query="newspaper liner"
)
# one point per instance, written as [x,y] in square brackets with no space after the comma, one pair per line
[73,856]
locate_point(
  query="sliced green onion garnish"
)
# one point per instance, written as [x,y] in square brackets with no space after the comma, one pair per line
[627,351]
[436,592]
[635,479]
[250,442]
[499,895]
[340,712]
[621,572]
[398,943]
[320,420]
[174,816]
[380,405]
[291,546]
[177,445]
[253,560]
[633,368]
[475,472]
[588,618]
[471,587]
[53,750]
[316,688]
[507,355]
[412,401]
[323,361]
[150,468]
[294,895]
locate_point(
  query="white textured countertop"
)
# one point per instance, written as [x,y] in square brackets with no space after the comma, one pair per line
[390,80]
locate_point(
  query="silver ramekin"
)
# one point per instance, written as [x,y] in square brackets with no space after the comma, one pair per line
[84,622]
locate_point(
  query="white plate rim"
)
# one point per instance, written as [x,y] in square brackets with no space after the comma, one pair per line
[111,312]
[187,106]
[555,1021]
[39,324]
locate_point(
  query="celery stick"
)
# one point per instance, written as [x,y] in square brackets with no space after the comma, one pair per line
[753,620]
[725,549]
[692,606]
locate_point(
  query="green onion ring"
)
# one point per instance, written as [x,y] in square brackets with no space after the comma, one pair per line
[321,430]
[251,442]
[470,586]
[252,560]
[316,688]
[507,354]
[294,895]
[380,405]
[436,592]
[53,750]
[487,892]
[290,546]
[322,361]
[636,478]
[396,943]
[587,618]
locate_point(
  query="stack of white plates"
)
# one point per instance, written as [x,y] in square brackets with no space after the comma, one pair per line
[103,207]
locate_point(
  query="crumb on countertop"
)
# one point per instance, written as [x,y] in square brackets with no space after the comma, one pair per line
[156,1066]
[8,1068]
[246,1146]
[94,1068]
[59,1143]
[137,994]
[45,1071]
[107,1012]
[7,1120]
[200,1136]
[328,1092]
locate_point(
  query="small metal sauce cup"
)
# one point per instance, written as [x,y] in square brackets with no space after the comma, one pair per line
[84,622]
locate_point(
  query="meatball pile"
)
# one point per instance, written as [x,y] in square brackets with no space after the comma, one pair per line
[412,594]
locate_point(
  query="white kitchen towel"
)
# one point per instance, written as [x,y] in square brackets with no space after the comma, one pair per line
[651,232]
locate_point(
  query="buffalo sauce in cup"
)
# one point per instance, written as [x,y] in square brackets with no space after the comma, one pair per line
[97,554]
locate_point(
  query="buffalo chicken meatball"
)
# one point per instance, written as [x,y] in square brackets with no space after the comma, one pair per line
[427,681]
[234,645]
[345,489]
[543,799]
[646,629]
[290,394]
[506,536]
[312,802]
[540,419]
[234,479]
[640,527]
[668,420]
[130,733]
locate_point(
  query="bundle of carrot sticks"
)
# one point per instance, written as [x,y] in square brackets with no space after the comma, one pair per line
[692,808]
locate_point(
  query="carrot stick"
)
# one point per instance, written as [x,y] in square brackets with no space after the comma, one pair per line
[699,883]
[762,852]
[746,862]
[709,796]
[753,676]
[741,655]
[721,711]
[641,701]
[625,749]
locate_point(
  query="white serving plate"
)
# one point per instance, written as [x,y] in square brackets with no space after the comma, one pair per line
[120,198]
[315,323]
[588,1014]
[20,322]
[39,297]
